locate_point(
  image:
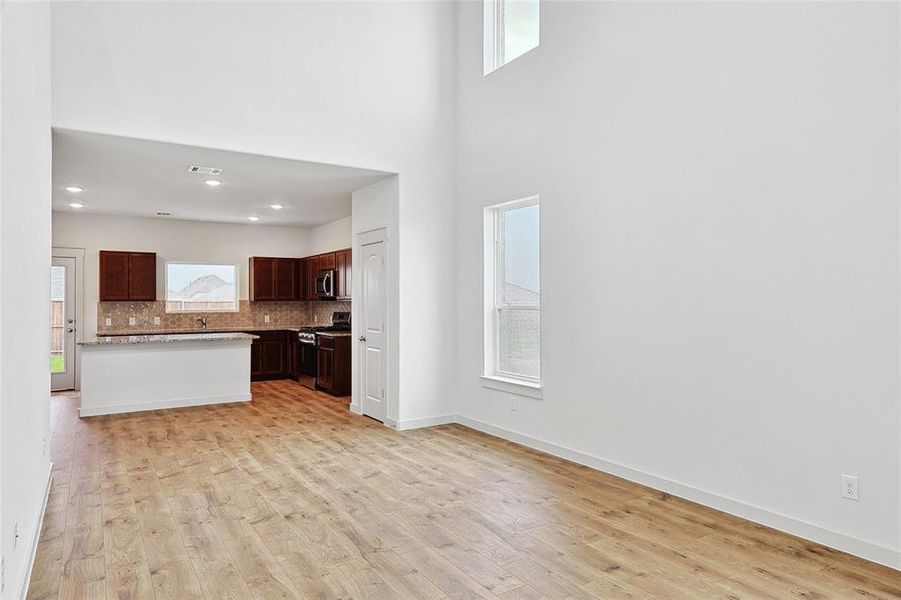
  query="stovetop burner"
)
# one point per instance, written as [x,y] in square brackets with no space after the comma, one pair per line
[333,328]
[340,322]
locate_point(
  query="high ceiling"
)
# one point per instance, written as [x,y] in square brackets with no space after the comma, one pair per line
[131,177]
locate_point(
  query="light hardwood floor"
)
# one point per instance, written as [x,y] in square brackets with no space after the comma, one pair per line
[293,497]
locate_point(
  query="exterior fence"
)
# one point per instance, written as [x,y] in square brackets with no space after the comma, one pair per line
[57,326]
[201,306]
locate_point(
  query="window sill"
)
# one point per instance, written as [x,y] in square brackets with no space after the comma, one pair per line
[513,386]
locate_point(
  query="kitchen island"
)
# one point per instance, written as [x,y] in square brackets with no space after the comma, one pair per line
[134,373]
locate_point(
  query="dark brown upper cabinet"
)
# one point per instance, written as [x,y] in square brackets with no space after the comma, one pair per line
[286,279]
[327,261]
[273,278]
[142,276]
[127,276]
[295,278]
[261,278]
[311,269]
[299,279]
[344,269]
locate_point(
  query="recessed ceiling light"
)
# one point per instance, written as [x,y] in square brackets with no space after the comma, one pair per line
[276,206]
[76,204]
[213,182]
[253,218]
[75,189]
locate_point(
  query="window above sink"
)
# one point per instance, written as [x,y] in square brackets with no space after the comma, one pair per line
[194,287]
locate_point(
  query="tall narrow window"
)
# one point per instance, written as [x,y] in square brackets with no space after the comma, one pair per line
[513,292]
[511,29]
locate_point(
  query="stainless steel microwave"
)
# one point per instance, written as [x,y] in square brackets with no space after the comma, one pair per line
[325,284]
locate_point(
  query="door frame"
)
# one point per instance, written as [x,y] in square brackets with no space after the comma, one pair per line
[78,282]
[379,233]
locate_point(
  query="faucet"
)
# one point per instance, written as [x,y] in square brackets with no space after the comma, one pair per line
[202,322]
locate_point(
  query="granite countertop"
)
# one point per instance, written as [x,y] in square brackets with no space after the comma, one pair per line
[132,332]
[333,333]
[126,340]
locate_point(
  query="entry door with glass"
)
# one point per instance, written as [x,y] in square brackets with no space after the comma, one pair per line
[62,323]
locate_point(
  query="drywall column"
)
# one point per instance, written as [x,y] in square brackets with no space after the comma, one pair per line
[25,158]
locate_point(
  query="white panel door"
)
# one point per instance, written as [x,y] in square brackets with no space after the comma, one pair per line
[372,341]
[62,323]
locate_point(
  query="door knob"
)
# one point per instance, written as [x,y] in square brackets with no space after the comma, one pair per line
[362,338]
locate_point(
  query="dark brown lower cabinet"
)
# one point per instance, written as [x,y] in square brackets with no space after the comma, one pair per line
[293,357]
[333,359]
[255,366]
[269,355]
[272,358]
[325,362]
[277,355]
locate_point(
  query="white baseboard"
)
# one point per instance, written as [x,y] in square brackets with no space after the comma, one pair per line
[36,536]
[425,422]
[839,541]
[356,409]
[116,409]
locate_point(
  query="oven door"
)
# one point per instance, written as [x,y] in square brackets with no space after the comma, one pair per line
[325,284]
[307,368]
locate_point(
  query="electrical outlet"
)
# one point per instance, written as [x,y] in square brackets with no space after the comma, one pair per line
[15,535]
[265,318]
[513,402]
[850,488]
[108,321]
[44,445]
[132,320]
[156,320]
[315,318]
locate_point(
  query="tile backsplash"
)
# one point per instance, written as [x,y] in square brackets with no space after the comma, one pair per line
[250,314]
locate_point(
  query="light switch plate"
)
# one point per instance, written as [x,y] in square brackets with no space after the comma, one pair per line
[108,321]
[131,320]
[266,319]
[156,320]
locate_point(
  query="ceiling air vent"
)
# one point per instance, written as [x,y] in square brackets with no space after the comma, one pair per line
[204,170]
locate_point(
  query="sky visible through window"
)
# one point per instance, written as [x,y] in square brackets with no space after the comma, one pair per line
[521,27]
[179,276]
[201,287]
[521,256]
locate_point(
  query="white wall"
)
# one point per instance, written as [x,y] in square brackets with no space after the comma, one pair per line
[24,278]
[719,187]
[332,236]
[171,240]
[719,217]
[361,84]
[372,210]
